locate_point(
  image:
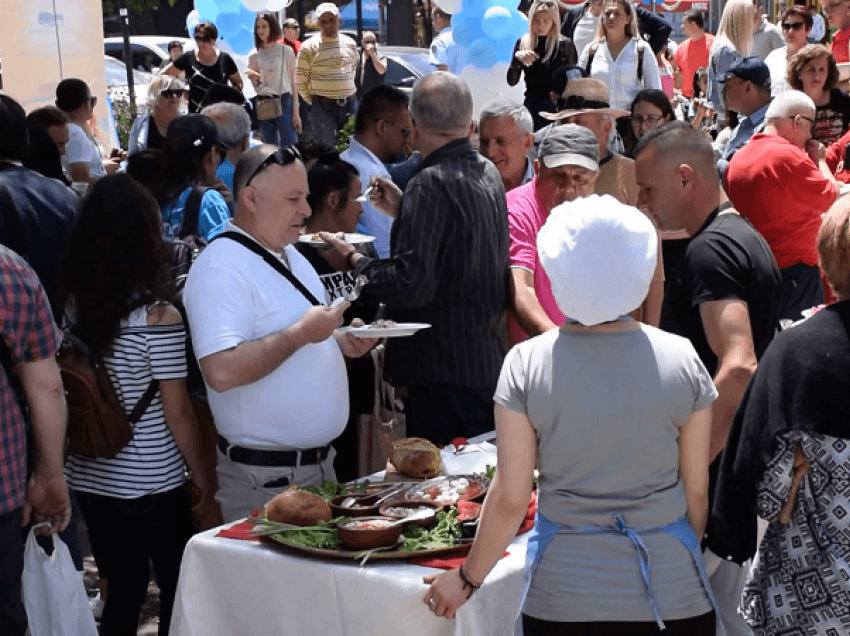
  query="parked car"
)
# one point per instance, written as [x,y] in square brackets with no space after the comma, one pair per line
[150,52]
[116,82]
[405,65]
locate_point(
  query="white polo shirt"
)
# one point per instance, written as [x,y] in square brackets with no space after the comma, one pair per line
[233,296]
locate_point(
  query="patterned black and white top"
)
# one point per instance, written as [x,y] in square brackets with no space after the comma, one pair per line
[799,583]
[151,462]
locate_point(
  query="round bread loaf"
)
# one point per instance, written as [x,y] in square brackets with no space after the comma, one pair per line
[298,507]
[416,457]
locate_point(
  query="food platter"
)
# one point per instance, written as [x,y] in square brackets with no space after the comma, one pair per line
[474,489]
[356,555]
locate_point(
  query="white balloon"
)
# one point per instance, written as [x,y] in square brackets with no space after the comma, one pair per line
[277,5]
[490,85]
[450,6]
[254,5]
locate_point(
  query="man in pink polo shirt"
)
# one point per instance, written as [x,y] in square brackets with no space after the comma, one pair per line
[566,168]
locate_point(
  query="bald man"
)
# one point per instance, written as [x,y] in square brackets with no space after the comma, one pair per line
[448,268]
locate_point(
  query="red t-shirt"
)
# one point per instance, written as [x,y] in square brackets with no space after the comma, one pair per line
[295,44]
[692,55]
[841,45]
[836,154]
[780,190]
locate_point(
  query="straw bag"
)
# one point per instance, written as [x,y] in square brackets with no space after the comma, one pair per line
[386,424]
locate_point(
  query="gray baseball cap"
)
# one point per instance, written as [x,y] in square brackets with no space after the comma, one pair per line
[569,145]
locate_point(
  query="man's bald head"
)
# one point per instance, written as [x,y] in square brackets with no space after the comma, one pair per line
[442,104]
[679,143]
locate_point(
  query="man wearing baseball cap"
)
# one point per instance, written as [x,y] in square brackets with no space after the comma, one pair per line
[746,90]
[566,168]
[325,76]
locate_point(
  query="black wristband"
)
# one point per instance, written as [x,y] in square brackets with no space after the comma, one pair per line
[467,582]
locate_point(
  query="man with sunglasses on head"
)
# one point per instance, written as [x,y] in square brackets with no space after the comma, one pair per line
[273,367]
[781,183]
[381,133]
[448,268]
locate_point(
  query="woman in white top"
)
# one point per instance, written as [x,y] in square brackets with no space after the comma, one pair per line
[271,69]
[115,281]
[82,158]
[613,56]
[796,24]
[733,41]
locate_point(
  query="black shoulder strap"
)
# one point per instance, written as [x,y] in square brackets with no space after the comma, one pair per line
[274,263]
[640,46]
[192,212]
[591,53]
[16,237]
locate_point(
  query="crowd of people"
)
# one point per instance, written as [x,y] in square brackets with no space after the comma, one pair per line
[638,277]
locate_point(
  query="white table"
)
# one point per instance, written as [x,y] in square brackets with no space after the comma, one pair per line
[229,588]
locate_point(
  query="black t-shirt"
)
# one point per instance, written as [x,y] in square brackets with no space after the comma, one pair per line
[335,282]
[201,77]
[726,259]
[833,118]
[155,140]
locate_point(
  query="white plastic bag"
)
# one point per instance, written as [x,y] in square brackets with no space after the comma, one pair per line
[54,594]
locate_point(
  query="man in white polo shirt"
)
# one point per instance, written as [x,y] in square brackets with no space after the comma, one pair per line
[272,364]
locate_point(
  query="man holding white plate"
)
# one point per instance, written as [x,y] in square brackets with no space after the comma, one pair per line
[265,341]
[448,267]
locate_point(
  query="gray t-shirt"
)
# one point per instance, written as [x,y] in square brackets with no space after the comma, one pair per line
[607,409]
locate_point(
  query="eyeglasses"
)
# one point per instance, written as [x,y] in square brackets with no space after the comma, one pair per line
[405,132]
[793,26]
[281,157]
[167,94]
[808,119]
[199,38]
[370,41]
[650,120]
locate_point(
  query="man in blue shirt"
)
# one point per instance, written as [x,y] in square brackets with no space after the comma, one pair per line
[445,54]
[234,134]
[746,90]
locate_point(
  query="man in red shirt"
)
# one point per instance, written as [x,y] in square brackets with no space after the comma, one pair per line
[290,34]
[838,13]
[692,54]
[780,181]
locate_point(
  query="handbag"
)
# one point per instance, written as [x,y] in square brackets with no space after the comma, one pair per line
[269,106]
[98,426]
[54,595]
[378,430]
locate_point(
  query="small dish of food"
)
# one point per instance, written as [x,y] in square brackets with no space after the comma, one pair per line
[365,533]
[403,509]
[385,329]
[354,510]
[352,238]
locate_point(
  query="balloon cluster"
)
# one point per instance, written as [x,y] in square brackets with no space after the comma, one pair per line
[486,29]
[234,19]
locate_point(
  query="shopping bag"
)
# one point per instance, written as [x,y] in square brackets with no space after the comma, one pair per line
[54,595]
[384,425]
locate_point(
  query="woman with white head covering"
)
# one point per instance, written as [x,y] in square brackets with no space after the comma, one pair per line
[616,416]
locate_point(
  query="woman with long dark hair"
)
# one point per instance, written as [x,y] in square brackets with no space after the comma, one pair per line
[190,157]
[116,284]
[650,109]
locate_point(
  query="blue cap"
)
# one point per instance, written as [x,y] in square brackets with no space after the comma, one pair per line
[749,69]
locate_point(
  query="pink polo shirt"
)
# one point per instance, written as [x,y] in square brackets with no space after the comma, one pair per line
[525,218]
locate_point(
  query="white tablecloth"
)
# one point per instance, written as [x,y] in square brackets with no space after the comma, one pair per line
[229,588]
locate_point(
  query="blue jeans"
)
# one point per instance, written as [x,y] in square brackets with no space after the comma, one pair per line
[801,289]
[327,119]
[280,131]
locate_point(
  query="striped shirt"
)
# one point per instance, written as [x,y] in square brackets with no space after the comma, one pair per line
[326,67]
[151,462]
[448,267]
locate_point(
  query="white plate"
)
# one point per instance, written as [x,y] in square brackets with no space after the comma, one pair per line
[350,238]
[399,331]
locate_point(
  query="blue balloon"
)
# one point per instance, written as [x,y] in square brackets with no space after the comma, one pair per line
[228,6]
[207,9]
[476,6]
[510,5]
[192,20]
[242,41]
[466,28]
[519,25]
[228,25]
[246,17]
[497,23]
[482,53]
[505,48]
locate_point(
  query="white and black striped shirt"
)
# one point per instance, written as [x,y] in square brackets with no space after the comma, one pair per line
[151,462]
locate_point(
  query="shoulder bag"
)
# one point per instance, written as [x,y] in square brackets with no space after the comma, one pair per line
[269,106]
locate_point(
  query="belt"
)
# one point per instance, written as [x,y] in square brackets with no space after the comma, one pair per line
[262,97]
[332,100]
[257,457]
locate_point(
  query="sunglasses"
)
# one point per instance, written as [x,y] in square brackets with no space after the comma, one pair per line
[792,26]
[281,157]
[168,94]
[202,39]
[405,132]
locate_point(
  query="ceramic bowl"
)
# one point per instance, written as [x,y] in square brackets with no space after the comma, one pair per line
[426,523]
[353,511]
[355,538]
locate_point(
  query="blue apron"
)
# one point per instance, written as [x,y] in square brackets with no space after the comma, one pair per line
[544,530]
